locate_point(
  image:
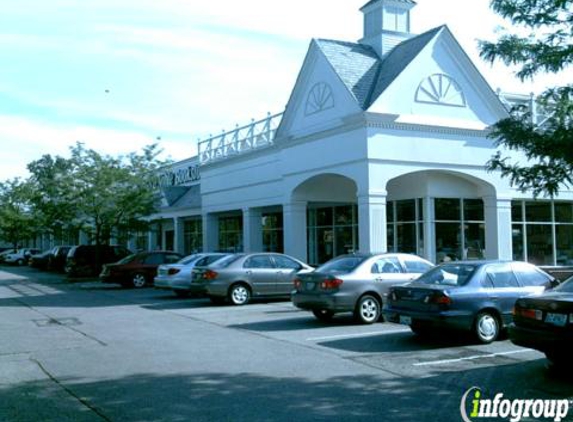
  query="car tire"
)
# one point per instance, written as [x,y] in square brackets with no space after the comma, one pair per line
[20,262]
[367,310]
[323,315]
[239,294]
[181,293]
[486,327]
[138,281]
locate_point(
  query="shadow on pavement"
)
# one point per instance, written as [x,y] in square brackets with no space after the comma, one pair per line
[248,397]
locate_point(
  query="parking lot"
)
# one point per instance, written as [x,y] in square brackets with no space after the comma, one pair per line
[84,351]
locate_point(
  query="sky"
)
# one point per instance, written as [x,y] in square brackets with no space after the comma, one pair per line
[121,74]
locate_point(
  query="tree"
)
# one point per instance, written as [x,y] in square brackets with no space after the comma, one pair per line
[17,222]
[548,47]
[112,194]
[52,195]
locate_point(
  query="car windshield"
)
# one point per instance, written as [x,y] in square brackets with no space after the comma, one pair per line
[342,265]
[566,286]
[127,259]
[448,274]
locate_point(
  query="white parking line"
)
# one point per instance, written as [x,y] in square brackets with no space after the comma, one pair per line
[372,333]
[491,355]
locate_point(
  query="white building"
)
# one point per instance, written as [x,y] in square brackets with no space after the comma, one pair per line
[382,146]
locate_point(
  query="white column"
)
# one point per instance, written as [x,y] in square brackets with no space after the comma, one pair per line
[151,238]
[294,228]
[252,230]
[429,230]
[210,232]
[498,239]
[179,235]
[372,231]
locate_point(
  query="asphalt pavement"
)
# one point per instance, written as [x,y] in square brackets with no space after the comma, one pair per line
[84,351]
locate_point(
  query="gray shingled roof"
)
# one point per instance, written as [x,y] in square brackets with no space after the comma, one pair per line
[361,70]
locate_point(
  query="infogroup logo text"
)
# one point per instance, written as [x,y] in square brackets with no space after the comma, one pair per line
[513,410]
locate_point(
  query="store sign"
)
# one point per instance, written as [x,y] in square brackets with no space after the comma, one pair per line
[179,176]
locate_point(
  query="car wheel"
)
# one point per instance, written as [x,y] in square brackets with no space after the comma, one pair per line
[367,310]
[486,327]
[181,293]
[239,294]
[323,315]
[20,262]
[138,281]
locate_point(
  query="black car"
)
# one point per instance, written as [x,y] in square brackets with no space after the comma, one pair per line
[87,260]
[545,323]
[475,296]
[40,260]
[57,260]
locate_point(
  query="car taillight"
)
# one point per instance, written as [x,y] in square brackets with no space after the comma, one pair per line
[210,275]
[439,299]
[331,283]
[297,283]
[173,271]
[535,314]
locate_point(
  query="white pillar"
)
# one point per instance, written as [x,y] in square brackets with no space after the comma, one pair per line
[252,230]
[294,228]
[429,229]
[498,239]
[151,238]
[179,235]
[372,231]
[210,232]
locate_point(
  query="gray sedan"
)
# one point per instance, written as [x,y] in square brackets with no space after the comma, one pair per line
[355,283]
[177,277]
[239,277]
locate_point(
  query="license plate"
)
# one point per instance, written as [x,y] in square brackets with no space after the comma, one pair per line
[556,319]
[406,320]
[310,286]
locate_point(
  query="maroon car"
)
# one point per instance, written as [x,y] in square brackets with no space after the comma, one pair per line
[138,269]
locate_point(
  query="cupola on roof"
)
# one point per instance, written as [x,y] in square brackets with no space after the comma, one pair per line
[386,24]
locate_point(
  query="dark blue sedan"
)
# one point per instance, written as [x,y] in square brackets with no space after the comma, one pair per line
[474,296]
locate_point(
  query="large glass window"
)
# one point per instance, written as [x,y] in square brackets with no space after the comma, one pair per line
[231,234]
[460,229]
[405,229]
[543,232]
[332,231]
[192,236]
[272,224]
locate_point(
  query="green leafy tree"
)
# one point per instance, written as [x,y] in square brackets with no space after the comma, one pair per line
[112,194]
[547,47]
[17,221]
[52,195]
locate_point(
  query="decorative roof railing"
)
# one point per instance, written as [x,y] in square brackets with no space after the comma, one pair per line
[539,114]
[256,135]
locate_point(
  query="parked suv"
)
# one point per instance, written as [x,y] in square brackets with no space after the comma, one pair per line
[81,259]
[57,260]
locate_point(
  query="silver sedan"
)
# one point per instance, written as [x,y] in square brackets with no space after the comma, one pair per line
[355,283]
[177,277]
[238,278]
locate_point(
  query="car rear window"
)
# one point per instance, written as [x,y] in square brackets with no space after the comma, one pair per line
[228,260]
[127,259]
[343,265]
[448,275]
